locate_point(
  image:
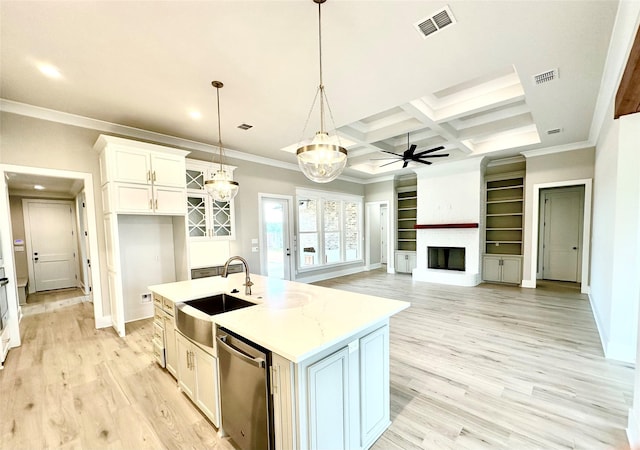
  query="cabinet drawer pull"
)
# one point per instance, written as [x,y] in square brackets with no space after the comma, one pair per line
[150,204]
[156,203]
[154,176]
[148,175]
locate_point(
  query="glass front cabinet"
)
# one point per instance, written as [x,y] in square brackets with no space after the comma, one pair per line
[207,219]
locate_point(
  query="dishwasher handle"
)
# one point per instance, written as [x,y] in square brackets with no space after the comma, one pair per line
[222,341]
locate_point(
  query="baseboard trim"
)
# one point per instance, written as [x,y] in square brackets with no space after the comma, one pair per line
[601,333]
[530,284]
[633,433]
[373,266]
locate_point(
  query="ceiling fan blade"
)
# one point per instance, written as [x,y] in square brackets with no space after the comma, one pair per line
[381,159]
[392,162]
[408,153]
[406,163]
[431,156]
[428,163]
[391,153]
[431,150]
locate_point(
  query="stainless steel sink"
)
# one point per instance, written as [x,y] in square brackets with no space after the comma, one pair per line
[193,317]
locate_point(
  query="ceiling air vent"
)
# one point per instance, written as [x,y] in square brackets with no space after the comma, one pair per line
[245,126]
[435,22]
[554,131]
[545,77]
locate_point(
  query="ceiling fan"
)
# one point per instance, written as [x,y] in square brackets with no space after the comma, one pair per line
[409,155]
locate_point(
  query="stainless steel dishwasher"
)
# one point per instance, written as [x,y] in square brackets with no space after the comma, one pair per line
[246,406]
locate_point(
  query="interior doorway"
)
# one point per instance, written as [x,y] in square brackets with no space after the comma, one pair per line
[535,254]
[561,211]
[12,177]
[376,234]
[275,236]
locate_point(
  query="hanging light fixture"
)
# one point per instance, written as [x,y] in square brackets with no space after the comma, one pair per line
[321,160]
[221,186]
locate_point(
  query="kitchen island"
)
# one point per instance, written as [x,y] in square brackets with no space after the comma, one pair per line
[329,372]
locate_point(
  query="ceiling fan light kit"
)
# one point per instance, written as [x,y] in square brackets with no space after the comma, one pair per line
[221,186]
[321,161]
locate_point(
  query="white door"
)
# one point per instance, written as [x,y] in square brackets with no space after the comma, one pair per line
[51,234]
[562,231]
[276,238]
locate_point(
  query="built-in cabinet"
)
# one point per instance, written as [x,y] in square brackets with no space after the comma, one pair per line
[406,213]
[198,376]
[502,268]
[144,194]
[207,218]
[405,261]
[504,218]
[342,395]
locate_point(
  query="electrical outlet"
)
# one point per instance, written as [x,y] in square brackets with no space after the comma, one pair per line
[145,298]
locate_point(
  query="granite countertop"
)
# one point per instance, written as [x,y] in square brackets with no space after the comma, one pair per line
[294,320]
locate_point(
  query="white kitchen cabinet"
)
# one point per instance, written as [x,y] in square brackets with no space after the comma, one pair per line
[405,261]
[198,377]
[141,178]
[328,391]
[374,385]
[144,192]
[502,268]
[207,219]
[337,400]
[171,354]
[186,365]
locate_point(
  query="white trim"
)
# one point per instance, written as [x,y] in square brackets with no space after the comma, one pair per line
[633,433]
[586,229]
[601,329]
[87,179]
[104,322]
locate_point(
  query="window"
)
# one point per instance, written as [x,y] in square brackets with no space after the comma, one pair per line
[329,228]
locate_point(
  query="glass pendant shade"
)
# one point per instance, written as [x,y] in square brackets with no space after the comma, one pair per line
[221,187]
[321,161]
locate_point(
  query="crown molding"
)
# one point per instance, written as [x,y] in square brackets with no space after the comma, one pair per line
[52,115]
[557,149]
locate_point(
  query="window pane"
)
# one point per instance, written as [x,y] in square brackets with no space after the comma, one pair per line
[332,247]
[307,216]
[351,228]
[309,249]
[331,215]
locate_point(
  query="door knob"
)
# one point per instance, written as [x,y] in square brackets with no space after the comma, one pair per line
[575,248]
[288,252]
[35,259]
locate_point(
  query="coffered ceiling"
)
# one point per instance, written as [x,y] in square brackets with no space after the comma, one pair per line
[500,78]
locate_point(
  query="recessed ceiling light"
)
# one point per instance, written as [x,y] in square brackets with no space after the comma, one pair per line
[49,71]
[39,187]
[195,115]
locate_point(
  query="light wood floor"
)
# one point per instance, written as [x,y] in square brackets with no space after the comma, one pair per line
[484,367]
[47,301]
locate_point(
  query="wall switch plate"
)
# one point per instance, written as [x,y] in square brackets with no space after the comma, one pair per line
[254,241]
[254,249]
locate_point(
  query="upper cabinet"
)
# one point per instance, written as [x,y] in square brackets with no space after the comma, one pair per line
[207,219]
[141,178]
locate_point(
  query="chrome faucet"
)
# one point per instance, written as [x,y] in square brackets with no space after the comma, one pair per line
[247,282]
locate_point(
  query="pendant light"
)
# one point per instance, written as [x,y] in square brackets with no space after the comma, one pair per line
[221,186]
[321,160]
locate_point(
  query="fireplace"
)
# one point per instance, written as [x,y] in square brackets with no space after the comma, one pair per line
[447,258]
